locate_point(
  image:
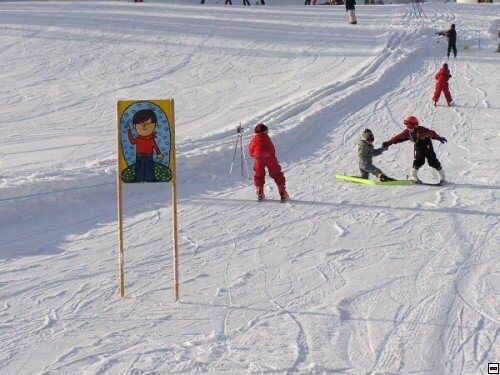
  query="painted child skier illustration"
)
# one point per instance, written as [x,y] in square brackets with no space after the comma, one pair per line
[422,140]
[366,152]
[261,148]
[145,124]
[442,76]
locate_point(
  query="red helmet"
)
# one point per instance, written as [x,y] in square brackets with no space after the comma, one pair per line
[260,128]
[411,122]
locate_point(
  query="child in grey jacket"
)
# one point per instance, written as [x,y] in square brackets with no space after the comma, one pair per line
[366,152]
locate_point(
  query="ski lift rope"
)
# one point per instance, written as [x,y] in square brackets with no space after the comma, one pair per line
[22,198]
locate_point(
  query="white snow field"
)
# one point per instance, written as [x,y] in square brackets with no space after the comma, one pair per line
[345,278]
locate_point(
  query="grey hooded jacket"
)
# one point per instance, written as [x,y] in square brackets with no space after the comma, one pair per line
[366,152]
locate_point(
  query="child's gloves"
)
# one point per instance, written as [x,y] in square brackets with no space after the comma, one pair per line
[443,140]
[386,144]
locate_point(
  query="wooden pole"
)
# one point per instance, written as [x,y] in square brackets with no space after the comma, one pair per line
[174,211]
[121,258]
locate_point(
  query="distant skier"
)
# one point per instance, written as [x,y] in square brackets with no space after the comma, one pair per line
[307,2]
[451,34]
[246,2]
[228,2]
[261,148]
[442,76]
[422,140]
[366,152]
[350,9]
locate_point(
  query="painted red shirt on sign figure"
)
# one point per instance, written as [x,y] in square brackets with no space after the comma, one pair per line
[145,145]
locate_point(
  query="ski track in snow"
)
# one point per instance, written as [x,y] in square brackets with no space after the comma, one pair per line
[343,278]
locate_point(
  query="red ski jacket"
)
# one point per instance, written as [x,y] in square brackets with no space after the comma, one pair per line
[261,147]
[442,76]
[416,135]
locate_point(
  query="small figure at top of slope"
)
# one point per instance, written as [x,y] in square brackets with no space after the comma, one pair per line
[442,76]
[261,148]
[366,152]
[451,35]
[350,9]
[422,140]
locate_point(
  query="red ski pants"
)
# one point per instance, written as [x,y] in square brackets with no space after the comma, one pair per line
[260,165]
[445,89]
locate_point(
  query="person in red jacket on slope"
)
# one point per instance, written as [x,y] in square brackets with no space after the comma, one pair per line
[442,76]
[422,140]
[261,148]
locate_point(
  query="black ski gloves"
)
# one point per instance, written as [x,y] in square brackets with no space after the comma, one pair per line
[386,144]
[443,140]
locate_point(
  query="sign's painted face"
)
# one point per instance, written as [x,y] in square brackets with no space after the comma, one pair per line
[145,128]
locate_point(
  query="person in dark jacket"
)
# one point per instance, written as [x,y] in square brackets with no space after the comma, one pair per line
[366,152]
[349,6]
[228,2]
[451,34]
[307,2]
[442,76]
[246,2]
[422,140]
[261,148]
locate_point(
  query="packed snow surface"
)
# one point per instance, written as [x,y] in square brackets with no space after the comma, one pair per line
[343,278]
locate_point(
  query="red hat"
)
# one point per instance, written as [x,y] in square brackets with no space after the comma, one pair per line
[411,122]
[260,128]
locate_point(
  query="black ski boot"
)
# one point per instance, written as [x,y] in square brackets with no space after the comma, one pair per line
[384,178]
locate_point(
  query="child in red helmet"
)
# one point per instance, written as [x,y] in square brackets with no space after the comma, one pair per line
[261,148]
[422,140]
[442,76]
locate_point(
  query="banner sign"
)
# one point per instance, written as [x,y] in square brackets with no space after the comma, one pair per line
[146,147]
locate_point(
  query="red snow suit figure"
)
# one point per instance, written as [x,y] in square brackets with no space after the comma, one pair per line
[261,148]
[442,76]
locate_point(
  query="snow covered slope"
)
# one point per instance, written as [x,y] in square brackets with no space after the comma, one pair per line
[344,278]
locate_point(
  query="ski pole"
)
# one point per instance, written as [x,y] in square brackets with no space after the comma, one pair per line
[244,157]
[234,156]
[241,154]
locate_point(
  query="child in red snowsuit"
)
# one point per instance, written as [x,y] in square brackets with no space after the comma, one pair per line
[442,76]
[261,148]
